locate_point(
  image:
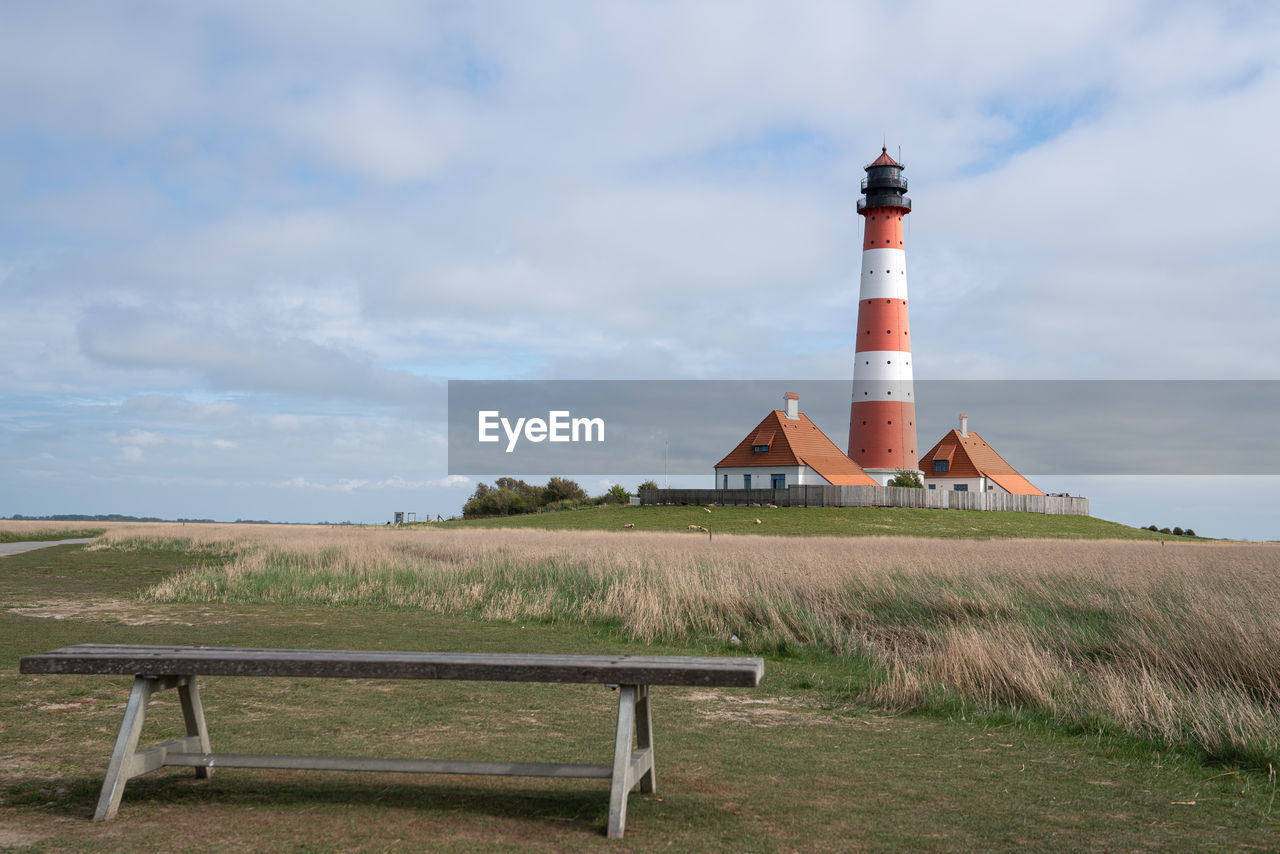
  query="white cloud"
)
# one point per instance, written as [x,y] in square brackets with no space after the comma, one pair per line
[140,438]
[379,129]
[273,229]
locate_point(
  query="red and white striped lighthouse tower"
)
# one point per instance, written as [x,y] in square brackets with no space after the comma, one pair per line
[882,419]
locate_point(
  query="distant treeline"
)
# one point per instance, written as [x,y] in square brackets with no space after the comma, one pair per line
[103,517]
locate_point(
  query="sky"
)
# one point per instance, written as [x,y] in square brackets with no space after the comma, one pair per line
[245,246]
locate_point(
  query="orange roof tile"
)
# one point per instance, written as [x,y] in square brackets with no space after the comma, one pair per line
[971,456]
[1014,483]
[794,443]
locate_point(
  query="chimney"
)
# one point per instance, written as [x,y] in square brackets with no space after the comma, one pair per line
[964,425]
[793,405]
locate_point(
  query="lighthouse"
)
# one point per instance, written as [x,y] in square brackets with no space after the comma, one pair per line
[882,417]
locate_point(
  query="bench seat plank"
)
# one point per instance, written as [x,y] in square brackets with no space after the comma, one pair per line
[129,659]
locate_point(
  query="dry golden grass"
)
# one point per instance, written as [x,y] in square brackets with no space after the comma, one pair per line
[1177,642]
[12,530]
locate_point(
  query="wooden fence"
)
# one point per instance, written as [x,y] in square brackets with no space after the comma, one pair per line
[871,496]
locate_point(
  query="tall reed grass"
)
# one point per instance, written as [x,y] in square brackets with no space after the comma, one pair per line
[1177,643]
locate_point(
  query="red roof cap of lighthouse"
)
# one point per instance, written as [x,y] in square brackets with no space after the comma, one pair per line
[884,159]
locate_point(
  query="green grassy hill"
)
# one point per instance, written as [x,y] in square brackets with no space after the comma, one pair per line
[824,521]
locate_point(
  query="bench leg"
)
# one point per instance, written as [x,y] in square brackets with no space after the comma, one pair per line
[119,770]
[644,738]
[630,769]
[193,716]
[620,784]
[127,762]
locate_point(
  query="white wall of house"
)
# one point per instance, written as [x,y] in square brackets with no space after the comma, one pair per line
[881,476]
[975,484]
[761,476]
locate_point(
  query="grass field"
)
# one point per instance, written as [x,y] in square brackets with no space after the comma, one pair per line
[814,760]
[24,531]
[822,522]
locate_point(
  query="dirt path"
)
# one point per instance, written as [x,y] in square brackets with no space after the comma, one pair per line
[19,548]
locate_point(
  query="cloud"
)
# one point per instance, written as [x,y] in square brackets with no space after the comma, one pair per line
[381,130]
[395,483]
[155,407]
[140,438]
[229,360]
[271,231]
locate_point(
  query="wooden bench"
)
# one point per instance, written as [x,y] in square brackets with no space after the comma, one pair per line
[159,668]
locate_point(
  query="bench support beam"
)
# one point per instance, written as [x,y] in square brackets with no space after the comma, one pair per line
[631,768]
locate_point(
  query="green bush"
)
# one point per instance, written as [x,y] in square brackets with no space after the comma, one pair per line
[562,489]
[616,494]
[510,496]
[907,478]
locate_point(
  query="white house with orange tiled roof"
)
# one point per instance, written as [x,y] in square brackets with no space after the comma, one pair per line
[962,461]
[787,449]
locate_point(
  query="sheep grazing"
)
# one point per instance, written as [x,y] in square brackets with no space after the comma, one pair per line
[706,509]
[629,525]
[758,522]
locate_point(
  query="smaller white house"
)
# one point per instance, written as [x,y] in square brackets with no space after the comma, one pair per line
[963,462]
[787,449]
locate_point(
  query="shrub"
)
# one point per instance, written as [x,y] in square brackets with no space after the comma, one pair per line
[616,494]
[509,496]
[1165,531]
[907,478]
[648,484]
[1177,532]
[562,489]
[528,490]
[505,501]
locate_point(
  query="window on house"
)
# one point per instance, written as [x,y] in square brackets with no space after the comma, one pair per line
[961,487]
[724,484]
[779,481]
[759,449]
[933,486]
[940,465]
[746,481]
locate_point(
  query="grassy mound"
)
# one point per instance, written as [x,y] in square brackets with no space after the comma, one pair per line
[825,522]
